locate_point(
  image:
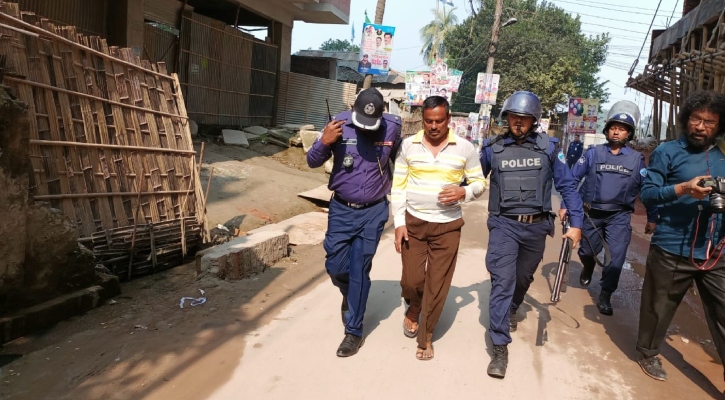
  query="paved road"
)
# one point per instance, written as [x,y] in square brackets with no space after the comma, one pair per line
[564,351]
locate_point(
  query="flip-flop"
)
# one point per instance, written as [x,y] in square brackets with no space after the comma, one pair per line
[419,354]
[408,333]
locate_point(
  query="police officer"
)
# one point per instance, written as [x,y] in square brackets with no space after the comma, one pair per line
[575,151]
[363,141]
[522,164]
[614,174]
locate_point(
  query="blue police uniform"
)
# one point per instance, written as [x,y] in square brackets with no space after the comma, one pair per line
[359,207]
[610,189]
[520,217]
[574,153]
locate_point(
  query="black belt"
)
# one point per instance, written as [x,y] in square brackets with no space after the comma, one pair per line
[528,219]
[357,206]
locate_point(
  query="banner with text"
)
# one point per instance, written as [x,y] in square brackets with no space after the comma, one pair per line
[582,117]
[376,48]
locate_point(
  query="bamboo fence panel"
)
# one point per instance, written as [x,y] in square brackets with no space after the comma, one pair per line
[228,76]
[104,125]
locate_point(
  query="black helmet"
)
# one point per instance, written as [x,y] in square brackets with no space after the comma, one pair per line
[522,103]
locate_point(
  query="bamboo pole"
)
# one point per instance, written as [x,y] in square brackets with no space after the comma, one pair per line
[109,146]
[105,194]
[88,96]
[135,226]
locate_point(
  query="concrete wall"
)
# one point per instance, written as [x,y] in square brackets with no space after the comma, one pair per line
[40,255]
[126,24]
[281,36]
[14,183]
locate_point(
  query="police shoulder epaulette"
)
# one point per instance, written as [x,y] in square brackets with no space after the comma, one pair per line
[393,118]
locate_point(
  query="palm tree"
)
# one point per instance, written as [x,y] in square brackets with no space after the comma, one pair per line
[434,33]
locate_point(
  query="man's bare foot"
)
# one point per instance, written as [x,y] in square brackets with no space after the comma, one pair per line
[425,354]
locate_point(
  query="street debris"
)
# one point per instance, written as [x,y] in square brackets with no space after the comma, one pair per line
[194,301]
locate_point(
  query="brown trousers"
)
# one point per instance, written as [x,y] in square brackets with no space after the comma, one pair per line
[429,260]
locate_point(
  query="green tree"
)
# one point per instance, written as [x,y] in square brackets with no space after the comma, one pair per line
[339,45]
[545,53]
[434,33]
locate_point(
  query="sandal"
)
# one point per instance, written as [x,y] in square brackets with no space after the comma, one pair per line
[420,352]
[407,332]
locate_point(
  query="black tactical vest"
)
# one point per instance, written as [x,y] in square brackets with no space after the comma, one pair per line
[612,183]
[521,177]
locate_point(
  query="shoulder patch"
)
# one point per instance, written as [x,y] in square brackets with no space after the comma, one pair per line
[643,171]
[561,157]
[582,160]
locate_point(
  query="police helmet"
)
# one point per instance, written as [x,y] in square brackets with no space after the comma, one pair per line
[522,103]
[626,113]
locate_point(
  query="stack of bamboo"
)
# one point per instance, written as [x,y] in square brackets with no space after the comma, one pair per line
[110,142]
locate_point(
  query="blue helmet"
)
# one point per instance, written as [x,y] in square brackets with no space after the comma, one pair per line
[625,112]
[522,103]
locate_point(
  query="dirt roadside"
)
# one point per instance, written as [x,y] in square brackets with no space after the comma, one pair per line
[144,340]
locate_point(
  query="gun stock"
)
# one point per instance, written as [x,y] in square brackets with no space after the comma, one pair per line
[562,269]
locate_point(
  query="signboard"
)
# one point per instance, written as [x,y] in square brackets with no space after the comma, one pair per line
[487,88]
[375,49]
[582,118]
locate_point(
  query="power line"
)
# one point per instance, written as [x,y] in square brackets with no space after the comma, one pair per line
[627,9]
[634,65]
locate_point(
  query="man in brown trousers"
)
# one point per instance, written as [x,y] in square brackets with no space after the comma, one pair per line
[426,205]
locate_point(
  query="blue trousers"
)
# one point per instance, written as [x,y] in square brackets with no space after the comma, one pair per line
[515,250]
[350,242]
[617,232]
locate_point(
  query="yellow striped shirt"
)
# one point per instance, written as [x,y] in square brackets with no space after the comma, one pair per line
[419,177]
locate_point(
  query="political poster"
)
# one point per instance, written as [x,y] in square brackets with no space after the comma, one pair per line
[376,48]
[418,86]
[544,125]
[582,118]
[487,88]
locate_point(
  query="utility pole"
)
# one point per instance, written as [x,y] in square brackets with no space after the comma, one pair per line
[485,110]
[379,11]
[494,35]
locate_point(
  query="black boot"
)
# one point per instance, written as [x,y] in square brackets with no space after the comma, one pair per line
[652,366]
[588,263]
[343,308]
[513,323]
[499,362]
[350,345]
[605,304]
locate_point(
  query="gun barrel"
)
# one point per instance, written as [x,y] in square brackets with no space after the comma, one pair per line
[561,270]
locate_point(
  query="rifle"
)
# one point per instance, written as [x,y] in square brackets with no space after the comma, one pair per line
[329,115]
[562,270]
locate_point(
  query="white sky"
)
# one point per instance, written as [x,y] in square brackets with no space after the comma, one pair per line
[628,26]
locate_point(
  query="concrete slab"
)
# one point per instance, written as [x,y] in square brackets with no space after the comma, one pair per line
[302,229]
[257,130]
[308,139]
[298,127]
[235,138]
[52,311]
[321,193]
[244,256]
